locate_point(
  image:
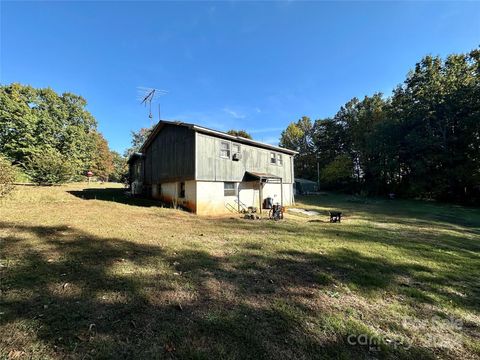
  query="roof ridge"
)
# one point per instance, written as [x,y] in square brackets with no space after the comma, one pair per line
[213,132]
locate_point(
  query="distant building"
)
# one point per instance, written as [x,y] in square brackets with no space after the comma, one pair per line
[210,172]
[304,186]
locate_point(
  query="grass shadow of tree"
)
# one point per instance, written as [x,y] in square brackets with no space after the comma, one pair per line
[115,195]
[455,283]
[83,296]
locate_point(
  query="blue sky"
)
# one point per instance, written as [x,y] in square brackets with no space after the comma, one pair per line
[248,65]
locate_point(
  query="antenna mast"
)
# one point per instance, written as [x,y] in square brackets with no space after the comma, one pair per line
[149,95]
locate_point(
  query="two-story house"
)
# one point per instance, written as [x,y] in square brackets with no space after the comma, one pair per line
[210,172]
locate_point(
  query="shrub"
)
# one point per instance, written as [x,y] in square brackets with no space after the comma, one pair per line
[7,176]
[49,167]
[21,176]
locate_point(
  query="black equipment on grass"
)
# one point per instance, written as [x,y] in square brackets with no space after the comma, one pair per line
[335,216]
[276,212]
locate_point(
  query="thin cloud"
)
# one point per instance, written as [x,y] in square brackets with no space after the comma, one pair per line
[234,113]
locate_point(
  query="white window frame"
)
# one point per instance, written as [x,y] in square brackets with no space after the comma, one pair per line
[234,190]
[279,159]
[228,149]
[238,146]
[273,159]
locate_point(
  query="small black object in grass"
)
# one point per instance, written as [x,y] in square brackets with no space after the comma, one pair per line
[335,216]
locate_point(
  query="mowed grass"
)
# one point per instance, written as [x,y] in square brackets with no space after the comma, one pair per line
[88,273]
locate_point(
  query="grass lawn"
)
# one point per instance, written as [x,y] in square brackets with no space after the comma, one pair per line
[92,274]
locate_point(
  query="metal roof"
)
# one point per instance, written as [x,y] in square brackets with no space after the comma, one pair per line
[305,181]
[216,133]
[251,175]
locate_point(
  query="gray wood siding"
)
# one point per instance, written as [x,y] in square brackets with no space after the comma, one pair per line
[135,169]
[212,167]
[171,155]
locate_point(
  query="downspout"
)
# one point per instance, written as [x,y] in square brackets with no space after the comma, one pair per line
[195,170]
[292,179]
[260,194]
[281,192]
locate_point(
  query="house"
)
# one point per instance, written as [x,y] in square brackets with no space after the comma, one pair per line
[210,172]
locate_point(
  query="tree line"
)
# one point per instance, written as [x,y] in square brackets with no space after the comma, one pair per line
[422,141]
[52,137]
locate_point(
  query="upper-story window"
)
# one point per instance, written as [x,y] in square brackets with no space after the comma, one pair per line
[276,159]
[225,149]
[279,160]
[273,158]
[235,148]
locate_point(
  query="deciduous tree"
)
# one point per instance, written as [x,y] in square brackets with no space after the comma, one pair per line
[241,133]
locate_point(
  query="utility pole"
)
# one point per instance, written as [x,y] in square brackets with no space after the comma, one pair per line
[318,175]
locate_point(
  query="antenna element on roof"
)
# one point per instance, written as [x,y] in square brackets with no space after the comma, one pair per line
[149,95]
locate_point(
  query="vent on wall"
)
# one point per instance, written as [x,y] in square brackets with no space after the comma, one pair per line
[236,156]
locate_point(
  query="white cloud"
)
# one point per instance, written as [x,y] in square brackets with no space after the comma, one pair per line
[234,113]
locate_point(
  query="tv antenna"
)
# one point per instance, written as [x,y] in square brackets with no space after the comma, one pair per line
[147,96]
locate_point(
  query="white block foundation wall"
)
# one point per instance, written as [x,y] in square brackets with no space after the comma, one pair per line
[207,197]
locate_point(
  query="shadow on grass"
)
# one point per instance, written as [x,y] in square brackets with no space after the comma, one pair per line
[81,296]
[440,266]
[417,211]
[115,195]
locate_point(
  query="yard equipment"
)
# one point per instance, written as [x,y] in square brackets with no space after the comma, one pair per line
[335,216]
[251,213]
[276,212]
[241,206]
[267,203]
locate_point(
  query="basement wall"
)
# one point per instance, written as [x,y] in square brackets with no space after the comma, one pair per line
[211,200]
[169,193]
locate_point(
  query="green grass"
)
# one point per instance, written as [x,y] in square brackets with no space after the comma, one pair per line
[89,273]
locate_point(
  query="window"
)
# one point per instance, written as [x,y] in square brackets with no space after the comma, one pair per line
[182,190]
[225,149]
[235,148]
[273,158]
[229,189]
[279,160]
[236,155]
